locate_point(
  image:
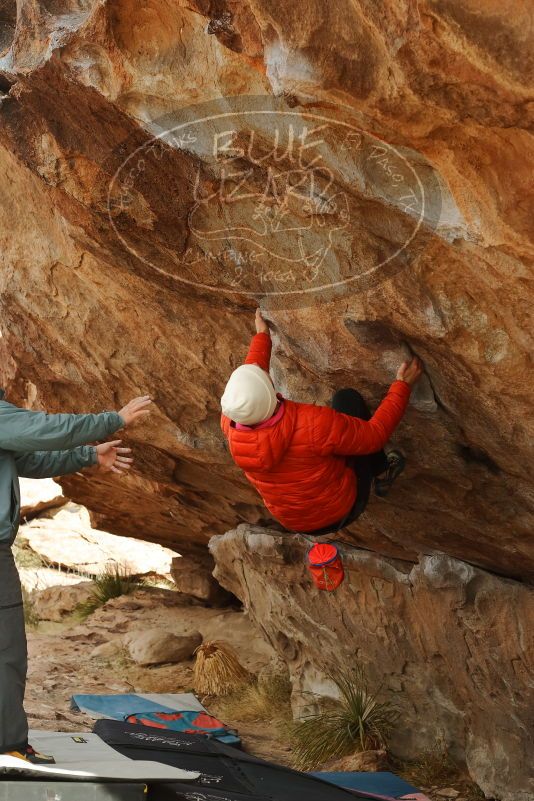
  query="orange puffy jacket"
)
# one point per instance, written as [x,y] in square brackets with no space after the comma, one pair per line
[297,460]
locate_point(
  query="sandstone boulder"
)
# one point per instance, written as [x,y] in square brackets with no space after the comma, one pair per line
[124,603]
[39,578]
[107,650]
[37,495]
[193,576]
[446,641]
[160,646]
[67,539]
[427,88]
[57,602]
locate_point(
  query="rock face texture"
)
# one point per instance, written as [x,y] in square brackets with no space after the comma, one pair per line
[157,646]
[452,645]
[105,295]
[65,538]
[194,578]
[357,168]
[38,495]
[55,603]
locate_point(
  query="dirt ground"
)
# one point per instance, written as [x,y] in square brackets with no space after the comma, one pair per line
[59,550]
[63,661]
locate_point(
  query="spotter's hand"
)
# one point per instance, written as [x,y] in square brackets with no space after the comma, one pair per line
[410,372]
[113,459]
[135,409]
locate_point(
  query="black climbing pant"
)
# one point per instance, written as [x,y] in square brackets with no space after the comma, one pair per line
[349,401]
[13,656]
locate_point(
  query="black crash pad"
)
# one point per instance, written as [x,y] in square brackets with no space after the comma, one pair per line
[226,773]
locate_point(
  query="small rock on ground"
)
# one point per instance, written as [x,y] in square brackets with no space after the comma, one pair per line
[159,646]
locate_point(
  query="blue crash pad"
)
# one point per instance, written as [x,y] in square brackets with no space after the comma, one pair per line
[121,706]
[381,783]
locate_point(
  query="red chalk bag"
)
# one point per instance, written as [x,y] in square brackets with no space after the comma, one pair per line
[325,566]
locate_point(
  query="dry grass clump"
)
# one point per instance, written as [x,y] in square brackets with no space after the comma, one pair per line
[435,768]
[267,700]
[31,617]
[217,670]
[356,722]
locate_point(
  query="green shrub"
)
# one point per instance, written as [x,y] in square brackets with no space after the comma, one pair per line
[114,581]
[355,722]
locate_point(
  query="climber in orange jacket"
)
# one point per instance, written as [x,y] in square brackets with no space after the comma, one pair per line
[314,466]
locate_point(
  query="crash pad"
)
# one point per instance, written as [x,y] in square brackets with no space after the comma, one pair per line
[226,773]
[381,783]
[116,707]
[35,790]
[156,706]
[85,756]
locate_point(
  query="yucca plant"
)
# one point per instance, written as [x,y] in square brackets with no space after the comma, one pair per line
[358,721]
[218,670]
[114,581]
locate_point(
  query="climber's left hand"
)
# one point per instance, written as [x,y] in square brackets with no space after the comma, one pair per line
[261,325]
[113,459]
[411,371]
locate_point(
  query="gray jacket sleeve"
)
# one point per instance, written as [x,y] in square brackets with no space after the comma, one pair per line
[23,431]
[47,464]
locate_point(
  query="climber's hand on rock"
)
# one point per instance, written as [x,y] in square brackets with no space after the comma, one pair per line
[135,409]
[112,458]
[261,325]
[410,372]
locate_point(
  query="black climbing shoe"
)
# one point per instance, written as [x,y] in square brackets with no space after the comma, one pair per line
[396,464]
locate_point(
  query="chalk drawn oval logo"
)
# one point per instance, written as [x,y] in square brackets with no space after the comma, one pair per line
[248,196]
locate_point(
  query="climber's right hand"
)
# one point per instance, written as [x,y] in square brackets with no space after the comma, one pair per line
[261,325]
[410,372]
[135,409]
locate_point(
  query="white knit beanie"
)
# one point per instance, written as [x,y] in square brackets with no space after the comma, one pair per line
[249,397]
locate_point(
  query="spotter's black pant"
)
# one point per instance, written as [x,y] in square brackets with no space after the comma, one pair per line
[13,656]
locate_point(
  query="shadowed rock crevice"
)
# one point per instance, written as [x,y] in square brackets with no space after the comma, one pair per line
[475,456]
[8,20]
[5,86]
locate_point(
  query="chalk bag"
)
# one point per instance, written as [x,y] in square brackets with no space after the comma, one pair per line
[325,566]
